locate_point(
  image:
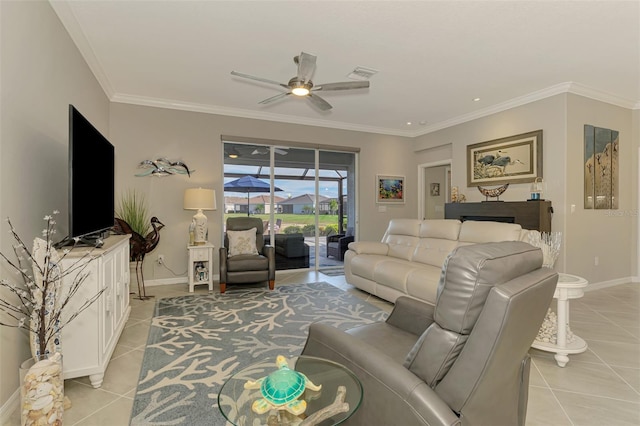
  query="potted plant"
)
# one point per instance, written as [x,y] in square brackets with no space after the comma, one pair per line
[133,210]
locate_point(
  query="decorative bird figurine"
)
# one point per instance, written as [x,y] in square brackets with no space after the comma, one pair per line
[163,167]
[494,192]
[139,246]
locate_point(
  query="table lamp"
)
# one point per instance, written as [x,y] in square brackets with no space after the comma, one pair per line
[200,199]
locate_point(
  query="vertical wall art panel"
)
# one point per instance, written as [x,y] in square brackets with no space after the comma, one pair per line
[600,168]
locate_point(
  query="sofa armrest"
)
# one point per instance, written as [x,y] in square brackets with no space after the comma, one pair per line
[269,252]
[224,254]
[411,315]
[369,247]
[393,395]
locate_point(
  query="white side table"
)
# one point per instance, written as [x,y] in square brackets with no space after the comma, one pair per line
[569,287]
[200,265]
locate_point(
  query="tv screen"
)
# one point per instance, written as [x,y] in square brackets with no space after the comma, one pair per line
[91,178]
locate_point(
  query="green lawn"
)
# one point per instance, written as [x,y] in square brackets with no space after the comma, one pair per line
[294,219]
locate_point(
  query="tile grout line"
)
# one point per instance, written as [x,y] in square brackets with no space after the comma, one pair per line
[553,394]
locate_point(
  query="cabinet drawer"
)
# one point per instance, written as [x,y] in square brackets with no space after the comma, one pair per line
[198,255]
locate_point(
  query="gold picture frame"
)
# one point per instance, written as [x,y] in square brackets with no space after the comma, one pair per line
[514,159]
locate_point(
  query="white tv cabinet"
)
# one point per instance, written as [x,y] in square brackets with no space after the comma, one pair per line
[89,339]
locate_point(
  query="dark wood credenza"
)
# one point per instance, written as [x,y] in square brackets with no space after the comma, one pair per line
[529,214]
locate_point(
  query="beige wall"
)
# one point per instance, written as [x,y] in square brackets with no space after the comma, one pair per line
[140,133]
[41,73]
[606,234]
[586,233]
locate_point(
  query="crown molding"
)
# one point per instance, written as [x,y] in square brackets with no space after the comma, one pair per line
[599,95]
[74,29]
[257,115]
[567,87]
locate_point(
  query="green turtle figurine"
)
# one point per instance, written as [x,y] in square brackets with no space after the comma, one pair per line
[280,390]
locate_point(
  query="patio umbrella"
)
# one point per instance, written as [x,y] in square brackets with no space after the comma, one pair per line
[248,184]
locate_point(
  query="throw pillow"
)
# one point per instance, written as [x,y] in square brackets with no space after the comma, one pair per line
[242,242]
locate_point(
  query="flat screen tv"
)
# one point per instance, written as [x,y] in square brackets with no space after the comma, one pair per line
[91,180]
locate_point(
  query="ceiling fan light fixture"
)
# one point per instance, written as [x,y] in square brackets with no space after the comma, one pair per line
[300,91]
[299,87]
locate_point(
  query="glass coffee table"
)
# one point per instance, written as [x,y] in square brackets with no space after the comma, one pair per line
[339,397]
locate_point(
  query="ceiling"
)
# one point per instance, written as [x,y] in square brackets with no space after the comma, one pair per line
[433,57]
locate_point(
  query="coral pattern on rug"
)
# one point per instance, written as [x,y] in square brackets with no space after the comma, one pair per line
[197,341]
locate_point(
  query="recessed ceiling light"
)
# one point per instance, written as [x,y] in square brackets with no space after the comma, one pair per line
[423,122]
[409,123]
[476,99]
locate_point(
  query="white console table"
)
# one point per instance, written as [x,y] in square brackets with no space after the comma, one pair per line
[569,287]
[89,340]
[200,256]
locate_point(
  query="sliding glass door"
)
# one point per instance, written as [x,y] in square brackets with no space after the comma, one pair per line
[309,204]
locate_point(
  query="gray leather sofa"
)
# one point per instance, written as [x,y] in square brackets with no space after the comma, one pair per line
[463,361]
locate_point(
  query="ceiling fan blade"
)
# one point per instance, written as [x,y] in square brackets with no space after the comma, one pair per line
[319,102]
[280,151]
[306,66]
[264,80]
[274,98]
[345,85]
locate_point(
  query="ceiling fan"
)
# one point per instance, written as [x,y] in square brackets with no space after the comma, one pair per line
[302,86]
[234,151]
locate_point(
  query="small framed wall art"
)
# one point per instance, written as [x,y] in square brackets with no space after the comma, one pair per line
[389,189]
[514,159]
[435,189]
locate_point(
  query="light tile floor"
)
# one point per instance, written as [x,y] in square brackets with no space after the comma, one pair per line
[600,387]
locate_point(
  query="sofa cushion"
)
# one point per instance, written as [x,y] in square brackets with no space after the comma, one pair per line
[393,273]
[247,262]
[402,237]
[364,265]
[422,283]
[402,246]
[447,229]
[472,231]
[433,251]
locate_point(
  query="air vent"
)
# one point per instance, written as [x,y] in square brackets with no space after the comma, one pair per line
[362,73]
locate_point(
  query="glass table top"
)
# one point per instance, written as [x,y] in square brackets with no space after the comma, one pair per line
[234,401]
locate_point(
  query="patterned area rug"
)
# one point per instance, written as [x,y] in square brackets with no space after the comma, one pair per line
[196,342]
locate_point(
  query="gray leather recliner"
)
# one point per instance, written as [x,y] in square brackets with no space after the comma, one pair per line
[247,268]
[463,361]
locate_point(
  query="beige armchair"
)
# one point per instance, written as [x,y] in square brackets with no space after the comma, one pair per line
[463,361]
[247,267]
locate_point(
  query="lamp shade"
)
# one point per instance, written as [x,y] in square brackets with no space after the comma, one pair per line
[199,199]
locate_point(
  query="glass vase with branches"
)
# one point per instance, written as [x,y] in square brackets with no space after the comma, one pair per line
[37,300]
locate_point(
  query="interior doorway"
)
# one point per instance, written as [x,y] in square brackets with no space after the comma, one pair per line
[434,189]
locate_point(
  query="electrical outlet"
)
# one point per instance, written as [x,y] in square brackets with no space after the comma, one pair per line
[160,259]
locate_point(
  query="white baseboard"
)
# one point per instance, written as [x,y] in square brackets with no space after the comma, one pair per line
[169,281]
[9,407]
[611,283]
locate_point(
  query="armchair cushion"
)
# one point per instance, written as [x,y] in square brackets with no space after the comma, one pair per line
[247,262]
[242,242]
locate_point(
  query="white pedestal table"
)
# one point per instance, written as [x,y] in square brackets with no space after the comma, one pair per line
[569,287]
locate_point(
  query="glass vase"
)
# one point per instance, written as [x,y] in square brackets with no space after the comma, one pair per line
[42,390]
